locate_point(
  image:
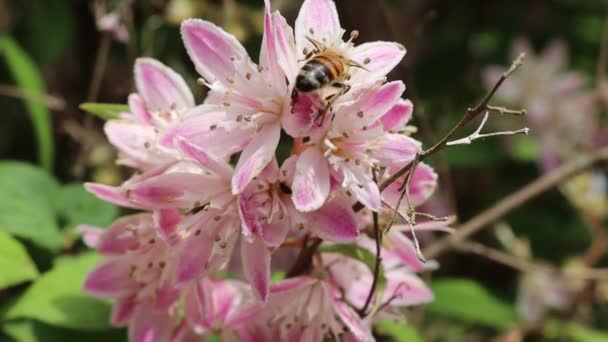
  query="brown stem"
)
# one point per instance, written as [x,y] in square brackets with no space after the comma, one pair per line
[372,291]
[497,256]
[516,199]
[50,101]
[304,259]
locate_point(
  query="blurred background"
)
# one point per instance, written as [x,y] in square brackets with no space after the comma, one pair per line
[539,273]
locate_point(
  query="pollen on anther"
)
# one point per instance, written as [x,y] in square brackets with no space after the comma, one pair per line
[217,217]
[213,127]
[248,76]
[230,80]
[223,245]
[311,30]
[197,232]
[344,134]
[239,118]
[218,238]
[152,241]
[260,68]
[364,128]
[367,60]
[360,114]
[226,103]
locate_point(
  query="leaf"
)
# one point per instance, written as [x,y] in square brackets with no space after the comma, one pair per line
[363,255]
[77,206]
[468,301]
[573,332]
[15,263]
[106,111]
[400,332]
[27,195]
[57,297]
[33,331]
[28,78]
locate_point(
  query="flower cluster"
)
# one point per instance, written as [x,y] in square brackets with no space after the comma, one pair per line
[171,270]
[562,112]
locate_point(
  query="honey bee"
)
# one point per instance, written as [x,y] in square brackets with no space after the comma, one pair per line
[324,67]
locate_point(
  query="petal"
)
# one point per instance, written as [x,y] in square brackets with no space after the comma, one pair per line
[110,194]
[292,284]
[274,234]
[193,257]
[268,53]
[111,278]
[161,87]
[175,190]
[206,161]
[139,110]
[406,289]
[381,58]
[398,116]
[256,266]
[167,220]
[362,186]
[285,45]
[370,107]
[136,141]
[203,127]
[352,321]
[256,156]
[311,180]
[90,235]
[122,310]
[335,221]
[318,19]
[393,149]
[405,250]
[422,186]
[150,325]
[211,49]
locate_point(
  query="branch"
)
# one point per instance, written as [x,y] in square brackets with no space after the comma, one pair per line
[477,134]
[304,260]
[516,199]
[49,101]
[500,257]
[372,290]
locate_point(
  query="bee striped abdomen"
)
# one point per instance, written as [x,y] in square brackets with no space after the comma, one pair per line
[320,71]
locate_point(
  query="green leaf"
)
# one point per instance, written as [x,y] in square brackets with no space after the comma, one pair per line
[15,263]
[363,255]
[77,206]
[468,301]
[28,78]
[573,332]
[106,111]
[33,331]
[27,209]
[400,332]
[57,297]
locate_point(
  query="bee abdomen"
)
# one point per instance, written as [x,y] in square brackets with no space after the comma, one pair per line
[317,73]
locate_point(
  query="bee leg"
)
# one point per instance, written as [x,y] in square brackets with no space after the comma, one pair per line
[331,99]
[308,55]
[294,99]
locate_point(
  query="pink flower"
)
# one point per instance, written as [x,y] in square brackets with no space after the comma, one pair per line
[562,113]
[219,306]
[255,99]
[137,273]
[309,309]
[362,136]
[162,99]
